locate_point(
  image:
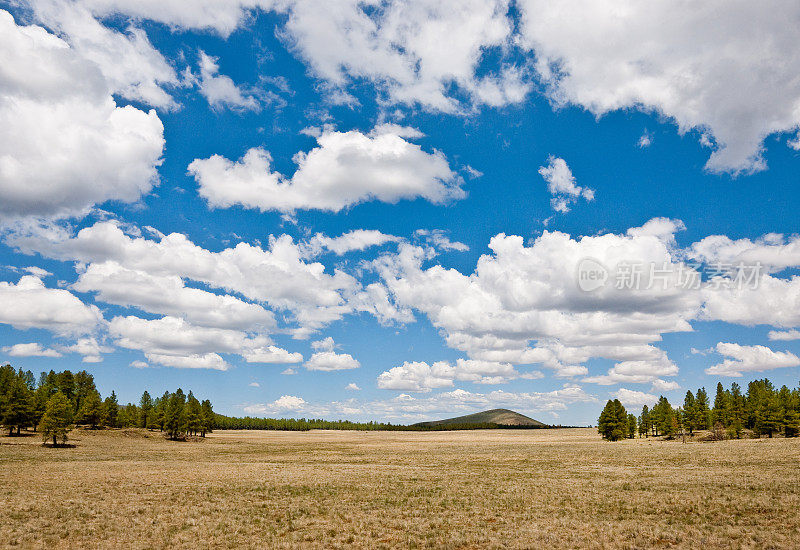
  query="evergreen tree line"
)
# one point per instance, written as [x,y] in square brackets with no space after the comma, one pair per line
[303,424]
[762,410]
[56,402]
[298,424]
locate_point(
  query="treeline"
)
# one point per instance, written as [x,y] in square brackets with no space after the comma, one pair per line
[298,424]
[57,401]
[762,410]
[303,424]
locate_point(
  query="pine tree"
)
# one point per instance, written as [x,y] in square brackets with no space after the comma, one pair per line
[613,421]
[631,426]
[773,417]
[721,413]
[790,402]
[737,411]
[193,414]
[690,412]
[110,410]
[128,416]
[146,410]
[160,408]
[175,415]
[57,419]
[91,410]
[65,382]
[662,417]
[605,421]
[7,375]
[672,425]
[680,423]
[791,423]
[84,386]
[644,422]
[703,411]
[18,404]
[207,417]
[40,398]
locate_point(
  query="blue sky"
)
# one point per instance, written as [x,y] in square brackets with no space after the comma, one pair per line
[379,210]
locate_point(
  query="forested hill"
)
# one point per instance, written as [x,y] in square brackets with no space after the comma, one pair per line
[495,417]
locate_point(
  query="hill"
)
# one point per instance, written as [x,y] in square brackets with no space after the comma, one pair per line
[497,417]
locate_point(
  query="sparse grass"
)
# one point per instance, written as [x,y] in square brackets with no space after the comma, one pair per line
[477,489]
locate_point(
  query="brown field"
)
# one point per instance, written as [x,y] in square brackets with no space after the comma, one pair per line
[484,489]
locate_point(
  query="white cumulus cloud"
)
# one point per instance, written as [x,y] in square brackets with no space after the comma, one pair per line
[725,68]
[326,359]
[750,359]
[219,90]
[30,304]
[32,349]
[633,397]
[346,168]
[561,184]
[65,143]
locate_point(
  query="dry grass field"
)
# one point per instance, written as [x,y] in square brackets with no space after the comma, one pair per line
[478,489]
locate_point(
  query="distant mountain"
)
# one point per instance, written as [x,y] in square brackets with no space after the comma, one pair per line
[498,417]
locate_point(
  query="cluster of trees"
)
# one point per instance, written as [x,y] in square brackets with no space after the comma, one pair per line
[58,400]
[176,413]
[53,402]
[762,410]
[615,422]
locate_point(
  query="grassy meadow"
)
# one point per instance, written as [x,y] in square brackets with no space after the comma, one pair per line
[324,489]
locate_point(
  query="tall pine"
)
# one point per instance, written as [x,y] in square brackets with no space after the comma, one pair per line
[145,410]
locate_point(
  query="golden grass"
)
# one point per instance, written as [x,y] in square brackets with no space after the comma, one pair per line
[486,489]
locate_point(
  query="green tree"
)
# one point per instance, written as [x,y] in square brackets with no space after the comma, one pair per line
[737,411]
[669,425]
[175,415]
[194,414]
[128,416]
[84,386]
[790,402]
[91,411]
[65,382]
[662,417]
[644,422]
[41,396]
[57,419]
[207,417]
[7,375]
[160,407]
[146,410]
[720,415]
[791,423]
[773,417]
[631,426]
[691,413]
[703,411]
[110,410]
[613,421]
[18,404]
